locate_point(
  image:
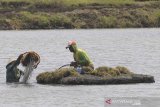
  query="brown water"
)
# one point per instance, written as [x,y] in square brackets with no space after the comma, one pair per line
[137,49]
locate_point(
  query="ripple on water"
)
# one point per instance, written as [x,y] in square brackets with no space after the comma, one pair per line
[137,49]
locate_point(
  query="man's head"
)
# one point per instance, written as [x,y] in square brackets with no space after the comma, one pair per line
[71,46]
[30,57]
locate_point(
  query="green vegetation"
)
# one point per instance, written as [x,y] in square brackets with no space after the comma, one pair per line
[57,75]
[69,14]
[111,72]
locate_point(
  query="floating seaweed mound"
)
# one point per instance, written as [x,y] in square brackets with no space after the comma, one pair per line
[101,75]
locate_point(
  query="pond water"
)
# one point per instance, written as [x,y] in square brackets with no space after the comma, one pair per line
[136,49]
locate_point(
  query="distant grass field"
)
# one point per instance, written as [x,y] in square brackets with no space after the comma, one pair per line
[71,2]
[10,3]
[68,14]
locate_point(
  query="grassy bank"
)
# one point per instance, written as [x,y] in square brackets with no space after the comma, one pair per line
[56,14]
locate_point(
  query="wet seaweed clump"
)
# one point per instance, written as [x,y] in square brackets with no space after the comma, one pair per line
[57,75]
[101,75]
[103,71]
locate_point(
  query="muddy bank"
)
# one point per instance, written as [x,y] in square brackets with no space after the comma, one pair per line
[100,76]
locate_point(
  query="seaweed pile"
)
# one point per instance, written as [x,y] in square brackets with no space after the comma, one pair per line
[101,75]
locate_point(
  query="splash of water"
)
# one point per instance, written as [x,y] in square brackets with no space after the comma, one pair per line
[27,72]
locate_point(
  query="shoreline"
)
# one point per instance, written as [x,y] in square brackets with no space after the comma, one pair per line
[78,29]
[27,15]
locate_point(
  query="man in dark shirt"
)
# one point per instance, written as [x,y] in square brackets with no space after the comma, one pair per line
[13,74]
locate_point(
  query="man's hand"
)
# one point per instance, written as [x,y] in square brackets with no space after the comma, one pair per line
[73,64]
[35,66]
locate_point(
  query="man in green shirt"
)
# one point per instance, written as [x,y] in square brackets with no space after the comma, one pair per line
[81,58]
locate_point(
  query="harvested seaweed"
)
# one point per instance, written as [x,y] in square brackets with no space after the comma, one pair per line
[101,75]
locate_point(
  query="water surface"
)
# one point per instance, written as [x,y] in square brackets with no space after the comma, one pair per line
[137,49]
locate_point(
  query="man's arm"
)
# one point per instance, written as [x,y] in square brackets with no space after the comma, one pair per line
[17,62]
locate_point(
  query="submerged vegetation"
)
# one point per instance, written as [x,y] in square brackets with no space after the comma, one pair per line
[56,14]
